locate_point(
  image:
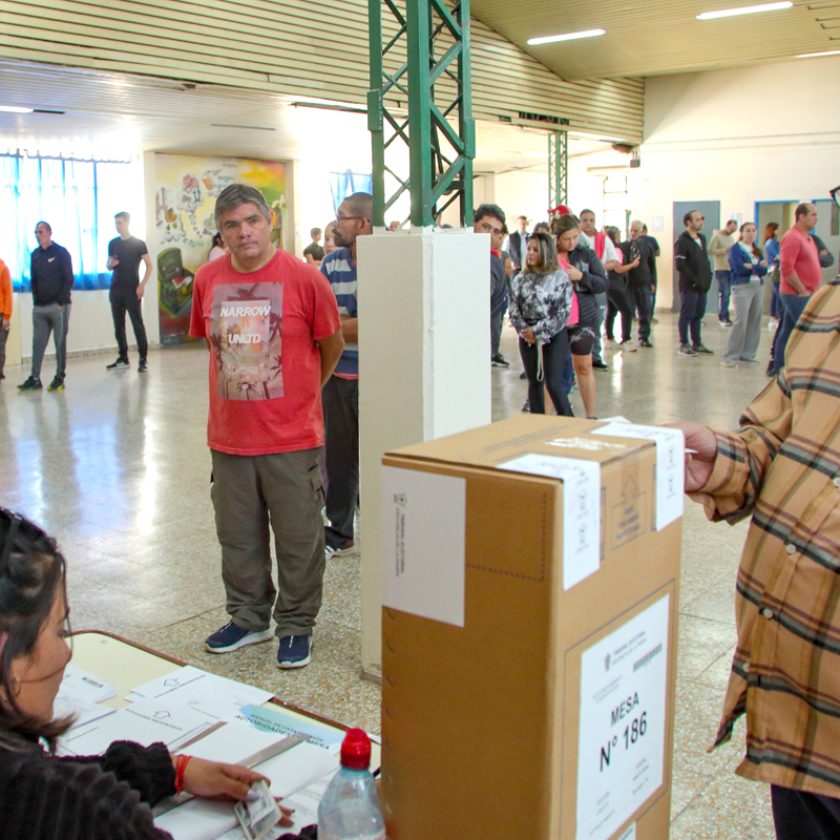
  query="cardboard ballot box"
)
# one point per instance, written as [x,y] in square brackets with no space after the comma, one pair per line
[530,575]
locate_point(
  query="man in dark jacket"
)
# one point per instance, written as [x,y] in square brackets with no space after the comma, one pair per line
[641,280]
[518,244]
[490,218]
[51,270]
[691,258]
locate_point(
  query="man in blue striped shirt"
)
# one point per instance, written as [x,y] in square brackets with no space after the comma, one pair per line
[341,393]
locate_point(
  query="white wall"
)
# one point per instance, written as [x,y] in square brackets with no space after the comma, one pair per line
[738,136]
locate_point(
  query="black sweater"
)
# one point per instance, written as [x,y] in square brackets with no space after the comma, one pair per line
[593,282]
[51,270]
[692,262]
[643,276]
[94,798]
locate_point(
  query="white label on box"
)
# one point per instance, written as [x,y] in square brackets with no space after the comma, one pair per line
[670,465]
[423,539]
[581,509]
[621,741]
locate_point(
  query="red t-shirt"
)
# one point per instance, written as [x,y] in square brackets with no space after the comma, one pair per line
[265,368]
[798,255]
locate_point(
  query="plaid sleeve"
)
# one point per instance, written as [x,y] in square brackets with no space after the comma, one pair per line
[743,457]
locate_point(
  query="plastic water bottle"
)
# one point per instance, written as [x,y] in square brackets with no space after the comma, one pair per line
[349,809]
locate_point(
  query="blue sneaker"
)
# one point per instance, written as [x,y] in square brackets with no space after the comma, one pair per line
[294,651]
[231,636]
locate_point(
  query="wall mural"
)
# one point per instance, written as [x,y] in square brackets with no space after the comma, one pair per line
[187,187]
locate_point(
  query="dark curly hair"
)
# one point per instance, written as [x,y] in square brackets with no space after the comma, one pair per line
[32,572]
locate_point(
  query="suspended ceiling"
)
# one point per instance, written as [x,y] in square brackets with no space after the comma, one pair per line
[660,36]
[113,115]
[127,111]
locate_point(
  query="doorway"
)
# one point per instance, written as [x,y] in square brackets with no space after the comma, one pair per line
[783,213]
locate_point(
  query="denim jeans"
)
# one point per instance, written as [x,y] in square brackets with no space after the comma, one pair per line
[601,301]
[553,357]
[776,308]
[724,281]
[793,306]
[692,310]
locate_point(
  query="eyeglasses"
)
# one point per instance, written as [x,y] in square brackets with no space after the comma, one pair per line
[486,227]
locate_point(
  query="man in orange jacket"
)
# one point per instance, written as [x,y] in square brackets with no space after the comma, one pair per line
[5,312]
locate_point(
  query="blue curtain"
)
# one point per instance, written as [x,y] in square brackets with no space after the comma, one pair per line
[346,183]
[77,198]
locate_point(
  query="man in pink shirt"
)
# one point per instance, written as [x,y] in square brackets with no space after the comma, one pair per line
[801,275]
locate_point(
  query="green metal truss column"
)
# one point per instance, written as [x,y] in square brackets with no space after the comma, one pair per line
[558,168]
[420,56]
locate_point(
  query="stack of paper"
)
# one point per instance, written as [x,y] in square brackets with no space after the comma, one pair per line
[219,720]
[81,694]
[214,696]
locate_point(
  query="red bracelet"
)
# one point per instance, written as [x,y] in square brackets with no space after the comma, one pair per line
[181,762]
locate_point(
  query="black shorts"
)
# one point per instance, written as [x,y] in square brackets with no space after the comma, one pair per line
[581,340]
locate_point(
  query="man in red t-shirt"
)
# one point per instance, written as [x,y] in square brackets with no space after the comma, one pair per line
[272,326]
[801,275]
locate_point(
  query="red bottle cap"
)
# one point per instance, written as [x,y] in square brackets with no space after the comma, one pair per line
[355,750]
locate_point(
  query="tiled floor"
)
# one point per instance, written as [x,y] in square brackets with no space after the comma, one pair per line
[117,468]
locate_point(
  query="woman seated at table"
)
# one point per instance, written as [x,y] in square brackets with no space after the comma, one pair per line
[43,796]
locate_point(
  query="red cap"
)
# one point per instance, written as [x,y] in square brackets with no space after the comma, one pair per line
[355,750]
[559,210]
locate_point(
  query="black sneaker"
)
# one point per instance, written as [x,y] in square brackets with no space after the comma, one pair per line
[120,363]
[31,384]
[702,349]
[499,361]
[56,385]
[598,364]
[643,342]
[686,350]
[142,368]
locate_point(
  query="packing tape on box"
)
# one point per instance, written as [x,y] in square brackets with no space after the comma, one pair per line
[670,464]
[581,508]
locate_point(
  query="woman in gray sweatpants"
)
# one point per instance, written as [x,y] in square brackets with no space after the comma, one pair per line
[748,269]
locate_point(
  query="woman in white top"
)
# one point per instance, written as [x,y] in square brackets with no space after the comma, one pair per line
[748,268]
[218,249]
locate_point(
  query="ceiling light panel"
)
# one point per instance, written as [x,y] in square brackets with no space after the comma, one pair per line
[745,10]
[568,36]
